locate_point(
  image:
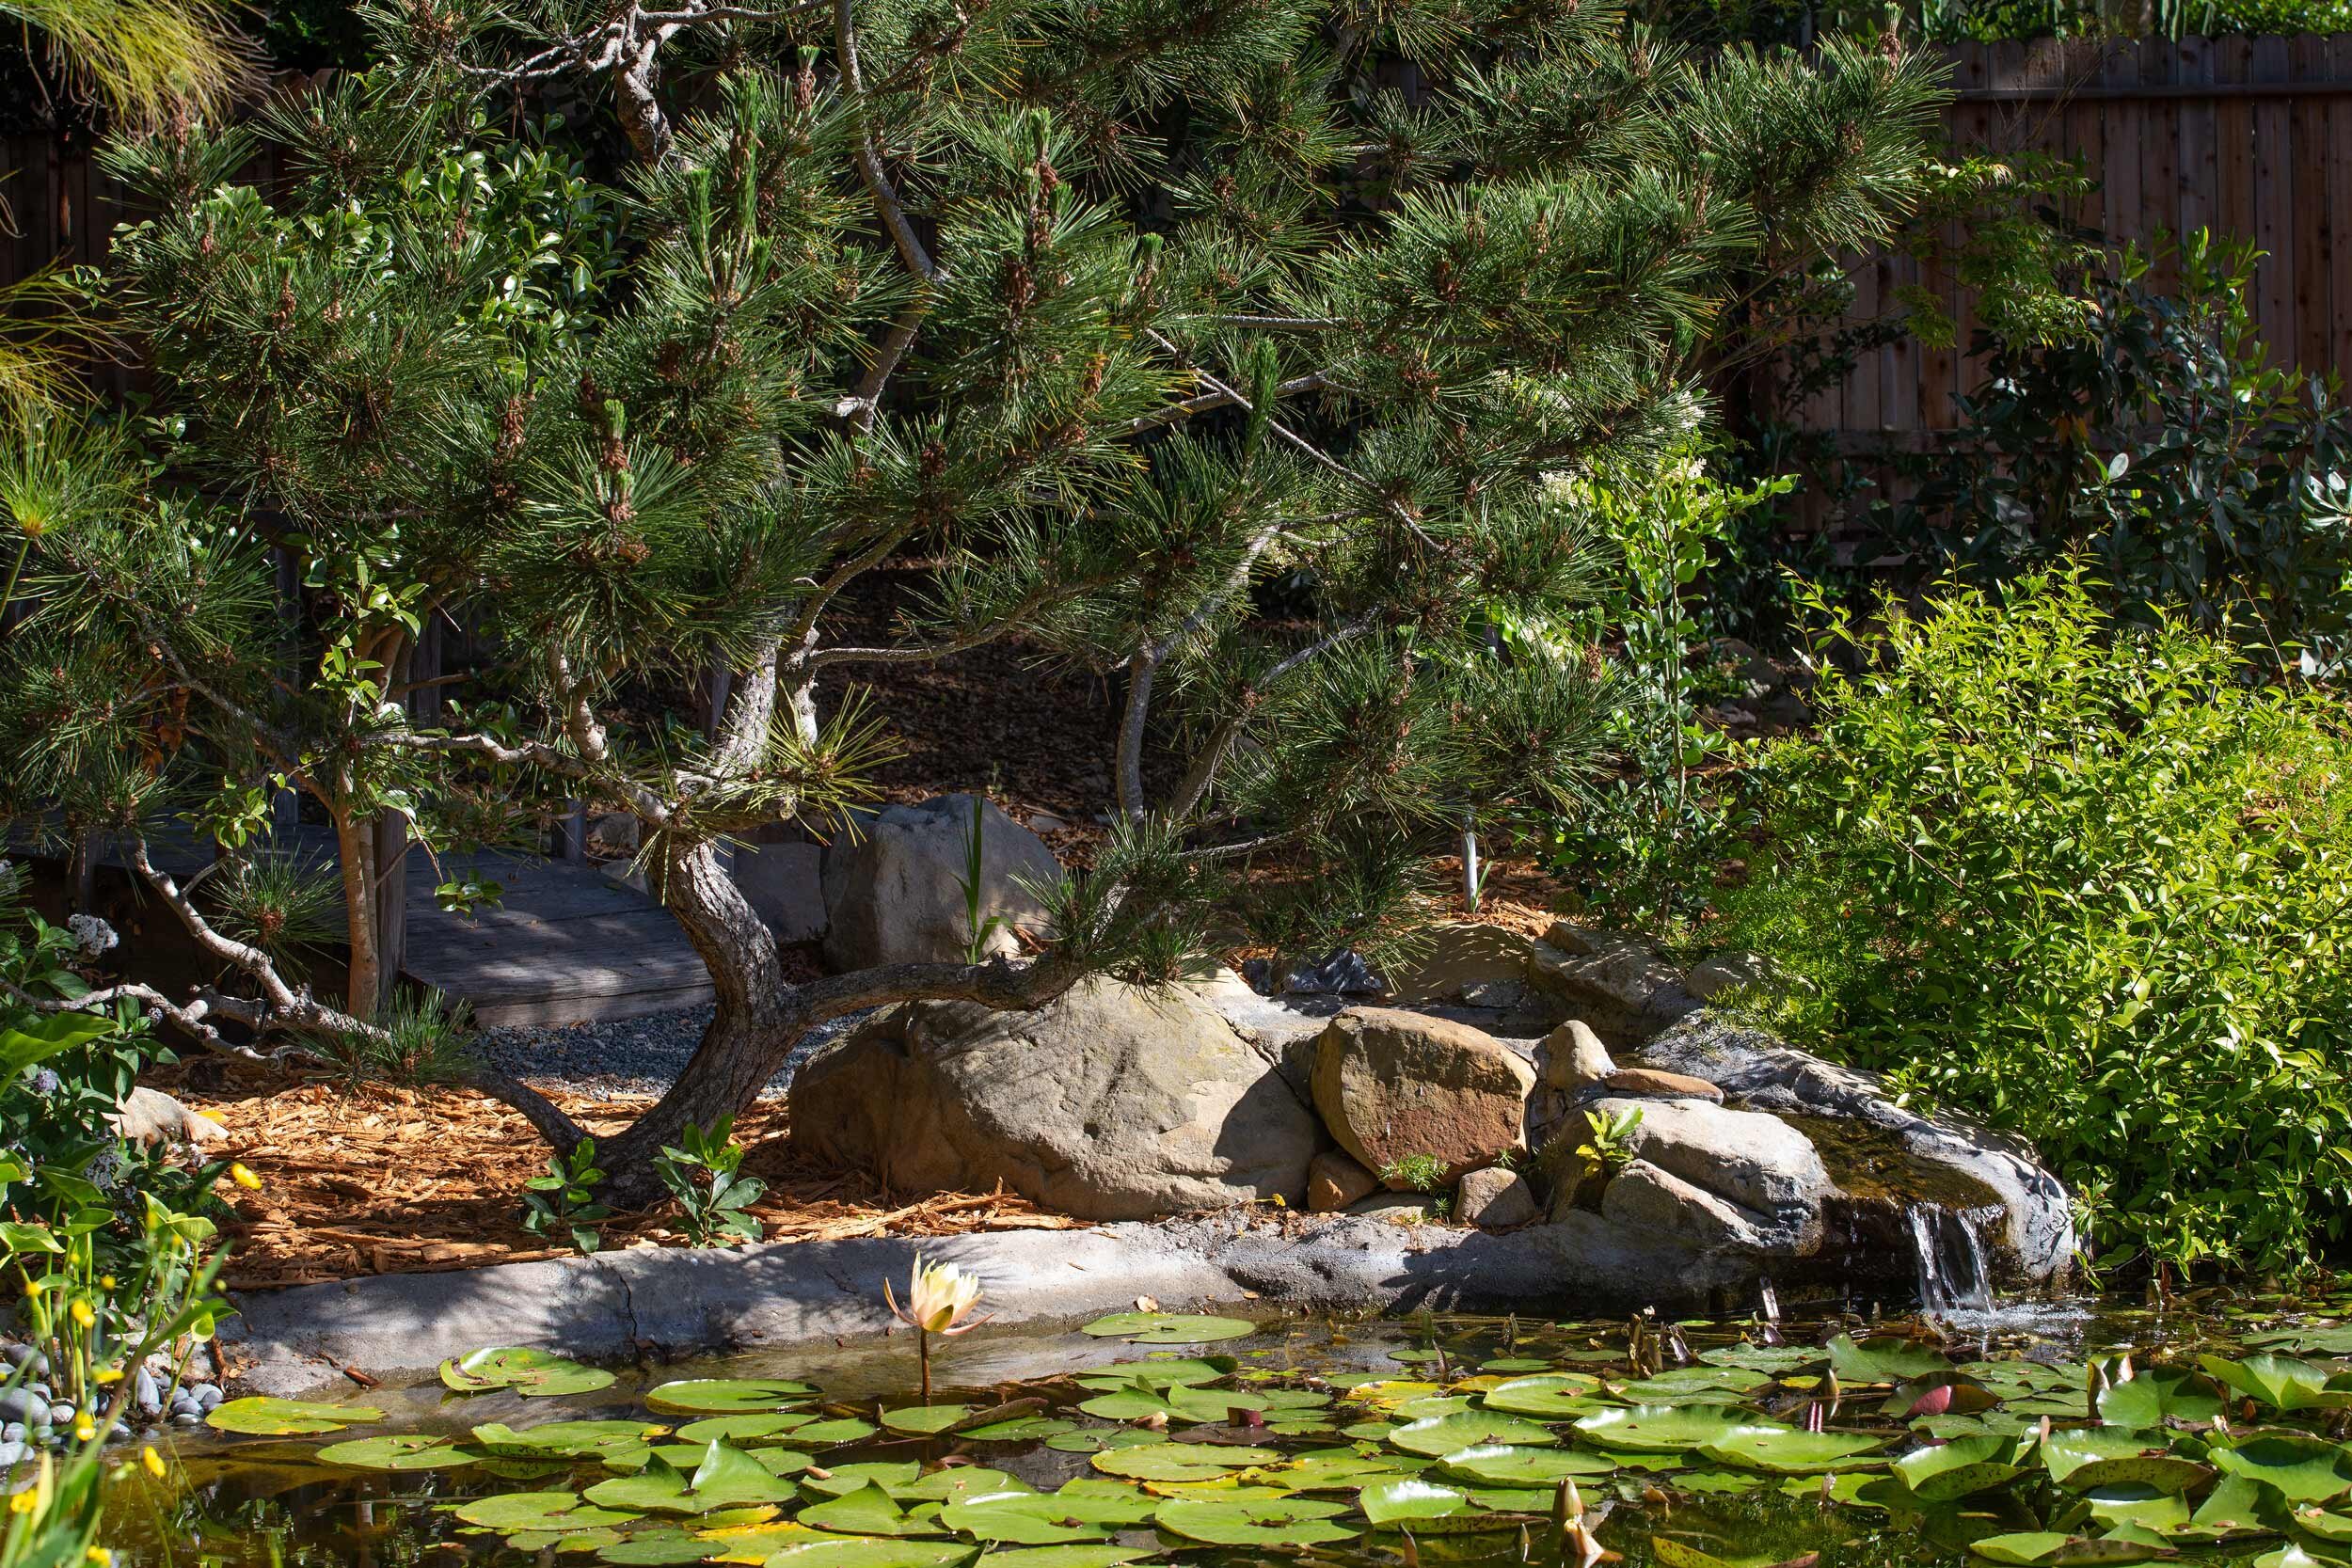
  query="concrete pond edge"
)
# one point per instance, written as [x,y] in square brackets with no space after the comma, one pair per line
[658,1304]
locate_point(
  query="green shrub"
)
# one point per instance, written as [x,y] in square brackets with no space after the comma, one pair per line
[2089,882]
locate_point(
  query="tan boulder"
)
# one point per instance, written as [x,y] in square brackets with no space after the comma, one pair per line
[1391,1086]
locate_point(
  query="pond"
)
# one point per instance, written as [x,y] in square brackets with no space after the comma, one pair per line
[1430,1439]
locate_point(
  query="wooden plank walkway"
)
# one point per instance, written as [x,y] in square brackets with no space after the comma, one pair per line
[567,945]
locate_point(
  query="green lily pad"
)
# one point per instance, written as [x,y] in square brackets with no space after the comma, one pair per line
[1464,1428]
[832,1429]
[565,1439]
[870,1511]
[2298,1466]
[839,1481]
[741,1429]
[1659,1387]
[2142,1506]
[653,1548]
[532,1373]
[1500,1464]
[1168,1328]
[1409,1497]
[1551,1394]
[561,1542]
[2117,1456]
[1662,1428]
[537,1511]
[1783,1450]
[1167,1462]
[1885,1359]
[956,1484]
[1157,1374]
[1775,1360]
[1269,1521]
[407,1452]
[1067,1557]
[2045,1549]
[726,1478]
[1725,1483]
[870,1552]
[687,1456]
[1044,1519]
[1021,1429]
[2236,1507]
[2282,1381]
[1957,1469]
[727,1396]
[1337,1469]
[268,1417]
[2160,1395]
[925,1420]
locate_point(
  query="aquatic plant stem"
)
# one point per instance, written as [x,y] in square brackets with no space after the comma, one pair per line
[923,1355]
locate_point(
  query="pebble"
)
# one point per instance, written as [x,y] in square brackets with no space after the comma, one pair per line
[23,1405]
[622,1057]
[61,1414]
[13,1453]
[149,1398]
[193,1418]
[12,1432]
[207,1395]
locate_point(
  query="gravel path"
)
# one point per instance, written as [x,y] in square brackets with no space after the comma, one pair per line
[625,1056]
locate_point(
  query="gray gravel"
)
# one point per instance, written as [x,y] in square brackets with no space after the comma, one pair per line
[623,1057]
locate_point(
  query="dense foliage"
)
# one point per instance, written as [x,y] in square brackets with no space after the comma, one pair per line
[2087,880]
[1109,336]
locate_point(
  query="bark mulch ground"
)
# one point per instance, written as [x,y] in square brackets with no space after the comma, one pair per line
[396,1180]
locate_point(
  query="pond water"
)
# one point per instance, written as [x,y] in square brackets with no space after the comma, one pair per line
[1429,1439]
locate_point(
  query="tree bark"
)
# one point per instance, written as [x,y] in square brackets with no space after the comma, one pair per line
[355,841]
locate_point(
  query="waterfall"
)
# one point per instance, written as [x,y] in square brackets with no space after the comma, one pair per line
[1954,1277]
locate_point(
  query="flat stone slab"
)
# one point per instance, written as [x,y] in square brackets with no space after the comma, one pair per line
[674,1302]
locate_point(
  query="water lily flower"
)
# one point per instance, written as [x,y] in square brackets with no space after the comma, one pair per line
[939,1297]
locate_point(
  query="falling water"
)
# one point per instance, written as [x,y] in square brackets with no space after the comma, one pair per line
[1953,1276]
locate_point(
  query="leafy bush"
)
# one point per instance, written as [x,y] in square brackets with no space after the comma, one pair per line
[2087,880]
[564,1199]
[701,1172]
[2159,444]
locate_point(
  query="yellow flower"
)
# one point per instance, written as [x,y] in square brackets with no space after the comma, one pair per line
[98,1557]
[938,1298]
[82,1314]
[83,1427]
[105,1282]
[32,1286]
[24,1503]
[245,1178]
[153,1461]
[107,1377]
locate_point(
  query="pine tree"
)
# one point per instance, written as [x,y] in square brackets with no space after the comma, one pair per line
[1118,310]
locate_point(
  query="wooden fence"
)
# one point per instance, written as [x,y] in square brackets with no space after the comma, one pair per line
[2247,137]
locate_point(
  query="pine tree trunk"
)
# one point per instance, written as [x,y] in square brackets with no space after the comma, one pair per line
[751,1032]
[356,841]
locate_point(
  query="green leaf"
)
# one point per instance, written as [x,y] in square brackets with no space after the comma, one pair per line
[1502,1464]
[1040,1519]
[1270,1522]
[407,1452]
[1181,1461]
[1783,1451]
[1662,1428]
[870,1511]
[558,1510]
[2284,1383]
[1408,1497]
[1560,1394]
[36,1039]
[2160,1395]
[726,1478]
[1885,1359]
[743,1429]
[871,1553]
[2298,1466]
[2115,1456]
[532,1373]
[565,1439]
[1168,1328]
[727,1396]
[269,1417]
[1957,1469]
[1157,1374]
[1464,1428]
[2044,1549]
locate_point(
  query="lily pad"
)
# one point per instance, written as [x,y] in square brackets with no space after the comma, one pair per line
[2160,1395]
[1157,1374]
[565,1439]
[2047,1550]
[269,1417]
[532,1373]
[925,1420]
[405,1452]
[726,1478]
[832,1429]
[506,1512]
[1549,1394]
[2282,1381]
[743,1429]
[1502,1464]
[654,1548]
[1763,1358]
[1463,1428]
[1783,1450]
[1269,1521]
[1044,1519]
[2141,1506]
[2300,1468]
[1662,1428]
[1067,1557]
[1168,1328]
[2117,1456]
[1181,1461]
[870,1511]
[1957,1469]
[1021,1429]
[727,1396]
[870,1552]
[1884,1359]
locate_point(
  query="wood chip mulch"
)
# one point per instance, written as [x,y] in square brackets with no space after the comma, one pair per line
[390,1181]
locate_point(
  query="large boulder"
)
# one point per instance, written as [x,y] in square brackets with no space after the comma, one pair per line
[1886,1158]
[1112,1103]
[1747,1178]
[1618,984]
[894,884]
[1393,1085]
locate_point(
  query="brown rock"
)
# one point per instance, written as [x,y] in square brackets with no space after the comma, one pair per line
[1334,1181]
[1647,1082]
[1394,1084]
[1495,1199]
[1572,1056]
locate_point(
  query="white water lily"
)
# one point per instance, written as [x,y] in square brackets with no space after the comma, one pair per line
[939,1297]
